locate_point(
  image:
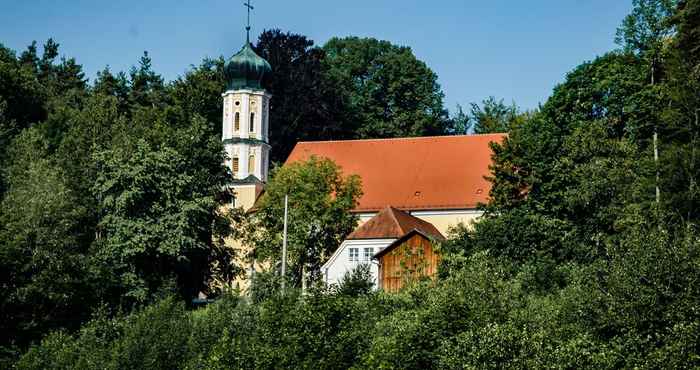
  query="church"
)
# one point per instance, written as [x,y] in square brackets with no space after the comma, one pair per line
[419,185]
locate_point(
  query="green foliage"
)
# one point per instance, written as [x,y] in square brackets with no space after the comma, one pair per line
[679,154]
[350,88]
[198,93]
[494,116]
[46,269]
[94,182]
[638,309]
[647,26]
[264,285]
[686,20]
[306,105]
[460,122]
[574,264]
[156,337]
[153,218]
[388,91]
[357,281]
[320,198]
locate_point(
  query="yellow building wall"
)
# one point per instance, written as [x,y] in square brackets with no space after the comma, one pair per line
[245,196]
[442,220]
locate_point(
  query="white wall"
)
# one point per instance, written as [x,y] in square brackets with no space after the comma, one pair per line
[340,263]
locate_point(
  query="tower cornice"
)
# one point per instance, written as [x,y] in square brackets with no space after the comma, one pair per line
[245,140]
[261,92]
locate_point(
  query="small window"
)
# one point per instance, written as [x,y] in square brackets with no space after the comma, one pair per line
[368,254]
[252,122]
[354,254]
[237,121]
[234,165]
[251,163]
[238,103]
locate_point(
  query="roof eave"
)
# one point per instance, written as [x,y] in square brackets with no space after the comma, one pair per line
[402,239]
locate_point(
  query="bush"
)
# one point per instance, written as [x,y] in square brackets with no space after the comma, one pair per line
[356,282]
[637,309]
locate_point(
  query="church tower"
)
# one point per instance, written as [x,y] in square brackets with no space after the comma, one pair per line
[246,123]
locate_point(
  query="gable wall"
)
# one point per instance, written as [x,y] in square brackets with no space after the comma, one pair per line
[340,263]
[412,259]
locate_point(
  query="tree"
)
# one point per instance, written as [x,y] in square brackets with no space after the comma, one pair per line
[21,102]
[494,116]
[155,219]
[680,159]
[320,200]
[146,87]
[388,92]
[573,167]
[647,26]
[47,277]
[644,31]
[686,20]
[20,90]
[113,85]
[460,123]
[198,92]
[305,105]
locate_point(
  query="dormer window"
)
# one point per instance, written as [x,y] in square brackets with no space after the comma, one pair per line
[252,122]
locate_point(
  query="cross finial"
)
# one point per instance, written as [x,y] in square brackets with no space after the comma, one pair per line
[247,28]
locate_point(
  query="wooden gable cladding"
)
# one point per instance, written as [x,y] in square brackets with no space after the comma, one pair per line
[408,259]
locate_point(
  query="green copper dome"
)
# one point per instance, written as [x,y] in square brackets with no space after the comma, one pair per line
[245,70]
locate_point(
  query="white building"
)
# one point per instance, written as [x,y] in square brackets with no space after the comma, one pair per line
[387,226]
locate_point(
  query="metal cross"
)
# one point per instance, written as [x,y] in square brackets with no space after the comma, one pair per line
[250,7]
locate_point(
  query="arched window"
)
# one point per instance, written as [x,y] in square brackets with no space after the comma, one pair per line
[237,121]
[252,122]
[251,163]
[234,165]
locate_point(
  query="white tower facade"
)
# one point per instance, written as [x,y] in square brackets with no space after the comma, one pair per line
[246,123]
[245,133]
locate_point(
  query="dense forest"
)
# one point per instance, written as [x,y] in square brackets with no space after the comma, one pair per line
[587,256]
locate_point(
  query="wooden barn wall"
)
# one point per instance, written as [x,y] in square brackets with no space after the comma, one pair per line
[415,265]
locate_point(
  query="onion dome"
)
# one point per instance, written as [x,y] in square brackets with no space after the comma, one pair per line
[246,69]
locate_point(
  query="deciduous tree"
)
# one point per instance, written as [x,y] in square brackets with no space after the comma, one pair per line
[320,200]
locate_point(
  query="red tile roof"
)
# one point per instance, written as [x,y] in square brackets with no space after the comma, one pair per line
[391,223]
[422,173]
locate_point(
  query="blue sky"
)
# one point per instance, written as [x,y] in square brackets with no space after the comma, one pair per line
[513,49]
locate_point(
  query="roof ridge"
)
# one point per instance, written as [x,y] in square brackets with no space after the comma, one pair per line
[403,138]
[393,217]
[421,225]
